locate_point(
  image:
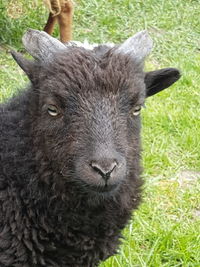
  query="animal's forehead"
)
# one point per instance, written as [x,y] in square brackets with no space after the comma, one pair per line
[82,71]
[78,58]
[75,57]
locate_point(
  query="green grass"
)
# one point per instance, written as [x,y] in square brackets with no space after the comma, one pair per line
[165,230]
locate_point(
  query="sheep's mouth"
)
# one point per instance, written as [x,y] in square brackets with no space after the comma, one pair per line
[104,189]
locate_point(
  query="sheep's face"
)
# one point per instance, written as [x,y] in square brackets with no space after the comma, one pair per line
[86,112]
[88,120]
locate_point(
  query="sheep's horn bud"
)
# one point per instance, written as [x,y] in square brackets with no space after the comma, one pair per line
[41,45]
[138,46]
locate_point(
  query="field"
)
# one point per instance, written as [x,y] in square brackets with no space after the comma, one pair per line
[165,230]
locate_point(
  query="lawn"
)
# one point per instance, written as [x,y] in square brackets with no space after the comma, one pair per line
[165,230]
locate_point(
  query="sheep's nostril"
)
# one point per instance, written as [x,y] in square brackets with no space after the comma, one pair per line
[104,168]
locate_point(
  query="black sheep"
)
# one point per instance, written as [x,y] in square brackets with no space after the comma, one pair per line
[70,151]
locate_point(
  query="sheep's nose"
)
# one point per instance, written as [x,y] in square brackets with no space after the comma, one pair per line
[104,168]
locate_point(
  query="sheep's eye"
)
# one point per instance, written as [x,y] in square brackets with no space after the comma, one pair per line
[136,110]
[53,110]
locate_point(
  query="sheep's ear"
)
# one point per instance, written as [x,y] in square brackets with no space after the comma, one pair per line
[27,66]
[158,80]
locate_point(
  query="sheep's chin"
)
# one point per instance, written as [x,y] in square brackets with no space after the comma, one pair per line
[98,198]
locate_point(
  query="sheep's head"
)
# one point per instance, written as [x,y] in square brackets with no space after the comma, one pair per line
[87,106]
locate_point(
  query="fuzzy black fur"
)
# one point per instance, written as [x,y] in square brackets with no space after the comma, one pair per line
[54,210]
